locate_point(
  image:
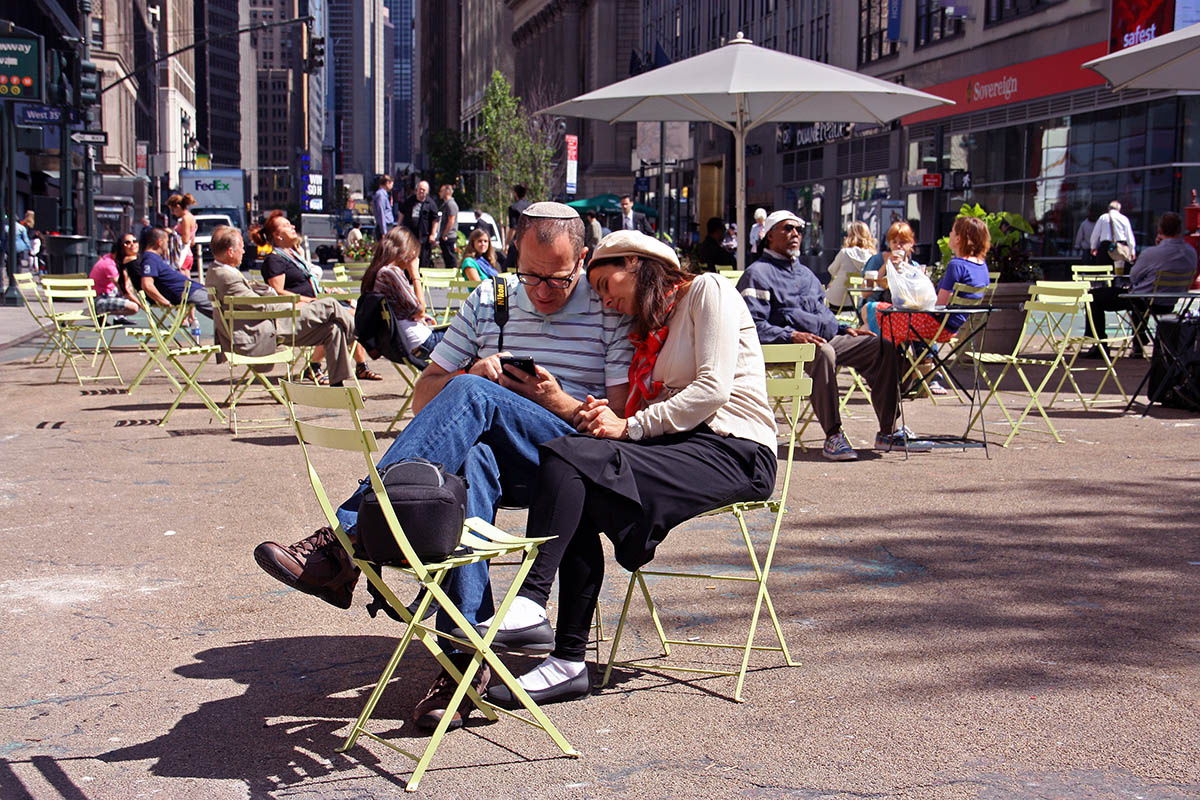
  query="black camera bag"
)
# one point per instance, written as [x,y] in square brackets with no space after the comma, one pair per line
[430,504]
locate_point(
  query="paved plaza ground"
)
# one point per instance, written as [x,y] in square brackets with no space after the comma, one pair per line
[1020,626]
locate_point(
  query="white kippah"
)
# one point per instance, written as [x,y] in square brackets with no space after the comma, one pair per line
[549,210]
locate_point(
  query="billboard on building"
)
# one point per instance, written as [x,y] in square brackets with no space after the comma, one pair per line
[1136,21]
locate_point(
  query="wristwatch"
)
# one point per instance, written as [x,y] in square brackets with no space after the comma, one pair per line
[634,429]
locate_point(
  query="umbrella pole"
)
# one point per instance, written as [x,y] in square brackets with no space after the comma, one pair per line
[739,193]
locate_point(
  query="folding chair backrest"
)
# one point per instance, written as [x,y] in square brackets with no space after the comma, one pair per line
[734,275]
[348,289]
[1092,272]
[1051,311]
[30,293]
[249,310]
[787,381]
[438,276]
[1172,282]
[352,438]
[69,289]
[340,273]
[456,295]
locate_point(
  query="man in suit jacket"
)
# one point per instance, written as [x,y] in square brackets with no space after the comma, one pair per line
[633,220]
[419,213]
[322,321]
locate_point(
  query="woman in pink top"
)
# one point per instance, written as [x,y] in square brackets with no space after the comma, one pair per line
[113,295]
[178,205]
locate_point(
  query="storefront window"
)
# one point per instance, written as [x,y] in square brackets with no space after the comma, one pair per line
[1191,130]
[1133,136]
[1160,141]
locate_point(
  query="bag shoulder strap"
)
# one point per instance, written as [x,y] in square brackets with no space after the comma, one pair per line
[500,287]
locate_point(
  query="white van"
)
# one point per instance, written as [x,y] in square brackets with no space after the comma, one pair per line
[470,220]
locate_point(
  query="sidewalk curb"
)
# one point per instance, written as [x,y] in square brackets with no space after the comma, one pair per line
[20,340]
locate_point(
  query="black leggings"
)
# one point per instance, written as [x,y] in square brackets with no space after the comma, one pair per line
[575,511]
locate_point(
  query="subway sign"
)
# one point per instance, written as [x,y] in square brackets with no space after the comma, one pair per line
[22,76]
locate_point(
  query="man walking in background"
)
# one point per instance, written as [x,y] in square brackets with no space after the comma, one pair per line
[448,237]
[381,206]
[419,214]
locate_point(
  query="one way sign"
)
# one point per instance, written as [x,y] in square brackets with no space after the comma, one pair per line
[90,137]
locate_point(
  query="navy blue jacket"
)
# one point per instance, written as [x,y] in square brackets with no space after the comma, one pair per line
[784,296]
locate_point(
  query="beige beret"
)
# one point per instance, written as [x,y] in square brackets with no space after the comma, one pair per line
[619,244]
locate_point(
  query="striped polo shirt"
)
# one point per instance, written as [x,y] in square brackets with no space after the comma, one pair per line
[584,345]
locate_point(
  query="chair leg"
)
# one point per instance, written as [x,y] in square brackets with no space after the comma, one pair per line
[612,654]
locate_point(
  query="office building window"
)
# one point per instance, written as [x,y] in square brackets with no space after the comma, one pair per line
[933,23]
[818,30]
[98,33]
[1004,10]
[873,44]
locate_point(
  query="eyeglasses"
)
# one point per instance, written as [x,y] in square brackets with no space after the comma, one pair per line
[793,229]
[556,282]
[129,241]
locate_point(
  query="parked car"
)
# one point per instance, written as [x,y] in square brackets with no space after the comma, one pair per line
[205,225]
[470,220]
[321,232]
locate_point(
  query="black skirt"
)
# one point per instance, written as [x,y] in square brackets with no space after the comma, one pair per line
[658,483]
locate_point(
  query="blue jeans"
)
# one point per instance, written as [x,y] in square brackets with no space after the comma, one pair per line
[479,430]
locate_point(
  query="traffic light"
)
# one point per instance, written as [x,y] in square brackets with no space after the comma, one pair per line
[89,84]
[58,80]
[316,54]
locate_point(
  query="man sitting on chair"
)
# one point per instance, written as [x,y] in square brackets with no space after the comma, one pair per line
[486,422]
[163,283]
[323,321]
[788,305]
[1171,254]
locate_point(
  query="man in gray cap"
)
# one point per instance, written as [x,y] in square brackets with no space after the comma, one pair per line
[787,304]
[485,421]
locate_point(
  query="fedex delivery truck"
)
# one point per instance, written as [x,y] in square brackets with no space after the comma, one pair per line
[217,191]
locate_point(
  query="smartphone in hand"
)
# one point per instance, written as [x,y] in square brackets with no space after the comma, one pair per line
[523,363]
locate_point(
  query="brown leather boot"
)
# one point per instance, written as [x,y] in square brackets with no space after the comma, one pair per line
[429,712]
[316,565]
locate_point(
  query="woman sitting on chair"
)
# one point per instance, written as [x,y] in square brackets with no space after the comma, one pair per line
[969,241]
[696,433]
[479,264]
[395,274]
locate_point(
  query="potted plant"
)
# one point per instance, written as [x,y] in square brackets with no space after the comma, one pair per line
[1009,256]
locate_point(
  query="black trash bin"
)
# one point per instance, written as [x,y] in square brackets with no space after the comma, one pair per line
[66,255]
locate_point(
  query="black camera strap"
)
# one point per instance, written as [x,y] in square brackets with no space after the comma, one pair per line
[500,287]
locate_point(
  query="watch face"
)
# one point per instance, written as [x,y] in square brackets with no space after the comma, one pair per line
[466,363]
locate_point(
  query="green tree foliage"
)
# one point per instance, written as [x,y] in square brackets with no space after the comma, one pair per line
[448,152]
[514,147]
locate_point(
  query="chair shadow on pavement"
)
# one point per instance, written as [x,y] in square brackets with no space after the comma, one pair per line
[301,696]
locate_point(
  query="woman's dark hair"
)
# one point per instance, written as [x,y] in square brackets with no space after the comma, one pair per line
[397,247]
[488,255]
[656,283]
[118,249]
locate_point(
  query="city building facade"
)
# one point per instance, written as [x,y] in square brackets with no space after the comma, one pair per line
[356,48]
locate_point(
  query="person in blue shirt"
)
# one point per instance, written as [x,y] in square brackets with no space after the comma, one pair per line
[788,305]
[163,283]
[381,206]
[21,229]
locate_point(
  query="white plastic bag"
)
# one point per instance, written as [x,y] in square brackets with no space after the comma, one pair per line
[911,288]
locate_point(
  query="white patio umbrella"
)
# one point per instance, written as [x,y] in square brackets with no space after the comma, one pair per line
[740,87]
[1170,61]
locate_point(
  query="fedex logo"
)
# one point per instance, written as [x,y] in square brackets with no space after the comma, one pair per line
[1139,35]
[210,186]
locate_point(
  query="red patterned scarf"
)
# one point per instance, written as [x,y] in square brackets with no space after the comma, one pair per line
[642,389]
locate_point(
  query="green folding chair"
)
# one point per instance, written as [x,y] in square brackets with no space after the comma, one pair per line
[74,322]
[790,389]
[163,350]
[35,304]
[456,295]
[247,372]
[1076,344]
[481,541]
[1052,308]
